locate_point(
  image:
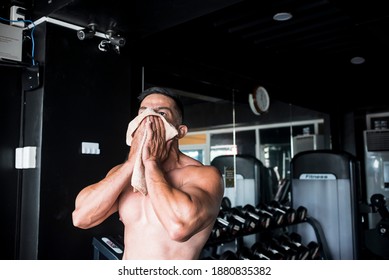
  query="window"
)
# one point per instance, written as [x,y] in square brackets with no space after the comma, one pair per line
[271,144]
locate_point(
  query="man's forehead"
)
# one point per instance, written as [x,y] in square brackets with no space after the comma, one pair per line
[157,97]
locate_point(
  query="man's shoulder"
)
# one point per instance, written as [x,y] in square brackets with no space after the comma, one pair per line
[201,169]
[193,165]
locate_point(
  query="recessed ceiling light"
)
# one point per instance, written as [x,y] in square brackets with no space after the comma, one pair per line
[282,16]
[357,60]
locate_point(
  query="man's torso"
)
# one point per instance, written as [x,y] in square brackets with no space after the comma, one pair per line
[145,237]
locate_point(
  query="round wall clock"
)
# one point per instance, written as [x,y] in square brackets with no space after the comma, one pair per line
[259,100]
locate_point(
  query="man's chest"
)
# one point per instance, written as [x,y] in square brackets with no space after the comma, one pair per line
[135,208]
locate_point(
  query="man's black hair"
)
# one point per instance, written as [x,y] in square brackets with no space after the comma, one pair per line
[164,91]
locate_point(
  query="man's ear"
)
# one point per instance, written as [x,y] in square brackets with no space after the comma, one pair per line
[182,131]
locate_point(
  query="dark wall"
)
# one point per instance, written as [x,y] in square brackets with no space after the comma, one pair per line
[85,95]
[10,108]
[87,98]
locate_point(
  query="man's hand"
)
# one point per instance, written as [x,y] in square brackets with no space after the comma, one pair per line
[155,147]
[137,139]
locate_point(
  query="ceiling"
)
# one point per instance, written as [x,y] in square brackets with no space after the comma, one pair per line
[223,46]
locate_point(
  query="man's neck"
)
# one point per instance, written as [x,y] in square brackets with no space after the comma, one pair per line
[173,161]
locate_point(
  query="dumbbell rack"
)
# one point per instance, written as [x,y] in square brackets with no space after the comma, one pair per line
[273,229]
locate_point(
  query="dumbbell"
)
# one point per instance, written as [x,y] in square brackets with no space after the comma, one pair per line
[274,245]
[288,252]
[225,204]
[230,228]
[244,253]
[260,250]
[277,217]
[289,240]
[261,219]
[314,250]
[288,212]
[217,231]
[230,218]
[236,223]
[301,214]
[250,223]
[236,216]
[227,229]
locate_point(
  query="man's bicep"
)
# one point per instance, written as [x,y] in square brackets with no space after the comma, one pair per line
[208,187]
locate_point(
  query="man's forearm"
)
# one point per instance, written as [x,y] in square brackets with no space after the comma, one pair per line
[96,202]
[172,206]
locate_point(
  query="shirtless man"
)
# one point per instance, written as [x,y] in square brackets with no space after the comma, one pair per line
[175,218]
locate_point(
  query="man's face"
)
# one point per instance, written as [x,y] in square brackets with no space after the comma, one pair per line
[162,105]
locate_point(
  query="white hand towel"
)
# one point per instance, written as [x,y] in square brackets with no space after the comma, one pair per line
[138,176]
